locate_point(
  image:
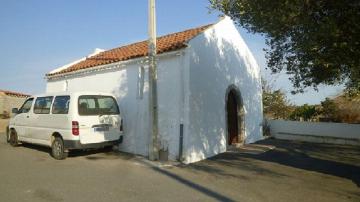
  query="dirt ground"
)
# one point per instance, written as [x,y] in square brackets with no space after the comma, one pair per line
[290,171]
[3,124]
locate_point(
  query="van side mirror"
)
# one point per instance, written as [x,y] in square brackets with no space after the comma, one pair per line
[15,110]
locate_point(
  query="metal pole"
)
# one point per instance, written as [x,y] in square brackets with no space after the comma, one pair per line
[153,143]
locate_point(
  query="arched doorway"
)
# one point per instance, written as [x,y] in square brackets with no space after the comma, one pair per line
[234,116]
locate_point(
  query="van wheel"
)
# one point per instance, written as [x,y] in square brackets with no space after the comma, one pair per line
[57,149]
[13,139]
[7,135]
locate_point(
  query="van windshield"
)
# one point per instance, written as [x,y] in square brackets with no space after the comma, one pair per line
[97,105]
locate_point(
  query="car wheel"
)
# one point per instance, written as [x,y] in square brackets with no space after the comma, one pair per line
[13,139]
[57,149]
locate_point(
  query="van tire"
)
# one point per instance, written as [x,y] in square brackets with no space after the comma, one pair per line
[13,138]
[57,149]
[7,135]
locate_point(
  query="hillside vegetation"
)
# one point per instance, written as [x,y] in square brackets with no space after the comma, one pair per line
[347,109]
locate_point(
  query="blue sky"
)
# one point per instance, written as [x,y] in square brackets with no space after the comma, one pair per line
[37,36]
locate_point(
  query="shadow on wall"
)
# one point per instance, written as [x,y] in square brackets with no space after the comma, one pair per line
[215,65]
[133,110]
[170,108]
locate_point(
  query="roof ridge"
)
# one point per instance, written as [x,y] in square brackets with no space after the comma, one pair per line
[157,38]
[189,29]
[165,43]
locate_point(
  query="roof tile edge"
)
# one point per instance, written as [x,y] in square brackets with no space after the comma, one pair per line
[88,63]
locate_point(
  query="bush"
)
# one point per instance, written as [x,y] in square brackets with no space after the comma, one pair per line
[304,112]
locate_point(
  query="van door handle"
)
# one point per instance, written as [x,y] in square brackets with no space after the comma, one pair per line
[27,116]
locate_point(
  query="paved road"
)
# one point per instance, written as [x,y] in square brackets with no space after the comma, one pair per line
[290,172]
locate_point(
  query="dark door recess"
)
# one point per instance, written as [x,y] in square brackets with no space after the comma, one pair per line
[232,118]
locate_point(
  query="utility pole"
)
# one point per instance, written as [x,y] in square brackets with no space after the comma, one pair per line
[153,108]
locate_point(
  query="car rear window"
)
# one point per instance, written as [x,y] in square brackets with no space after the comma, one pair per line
[97,105]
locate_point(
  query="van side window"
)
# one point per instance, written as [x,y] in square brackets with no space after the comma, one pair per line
[61,105]
[42,105]
[25,108]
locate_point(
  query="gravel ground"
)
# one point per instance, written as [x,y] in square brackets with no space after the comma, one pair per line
[3,124]
[288,171]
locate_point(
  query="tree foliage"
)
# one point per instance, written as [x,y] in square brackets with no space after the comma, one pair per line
[275,103]
[329,109]
[305,112]
[314,41]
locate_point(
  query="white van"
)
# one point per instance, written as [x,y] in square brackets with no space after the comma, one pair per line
[66,121]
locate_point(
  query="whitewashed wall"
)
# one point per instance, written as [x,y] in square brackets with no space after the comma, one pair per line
[123,83]
[191,90]
[337,133]
[170,99]
[219,58]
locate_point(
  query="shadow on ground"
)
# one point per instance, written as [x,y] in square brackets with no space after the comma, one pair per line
[337,160]
[89,154]
[249,165]
[189,183]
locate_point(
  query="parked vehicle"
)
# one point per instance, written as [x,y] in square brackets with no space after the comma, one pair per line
[66,121]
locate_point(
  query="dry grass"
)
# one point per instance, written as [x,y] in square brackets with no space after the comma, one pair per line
[349,109]
[3,124]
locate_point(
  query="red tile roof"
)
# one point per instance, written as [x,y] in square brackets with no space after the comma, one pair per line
[166,43]
[15,94]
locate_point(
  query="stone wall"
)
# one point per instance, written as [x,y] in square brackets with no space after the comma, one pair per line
[8,102]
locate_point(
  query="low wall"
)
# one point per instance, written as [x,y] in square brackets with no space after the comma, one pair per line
[322,132]
[9,102]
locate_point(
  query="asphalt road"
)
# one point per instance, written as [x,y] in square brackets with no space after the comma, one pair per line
[291,172]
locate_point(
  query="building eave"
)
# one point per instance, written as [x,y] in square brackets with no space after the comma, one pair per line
[142,61]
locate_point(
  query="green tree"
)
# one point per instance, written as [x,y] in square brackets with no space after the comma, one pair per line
[329,109]
[275,103]
[314,41]
[306,112]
